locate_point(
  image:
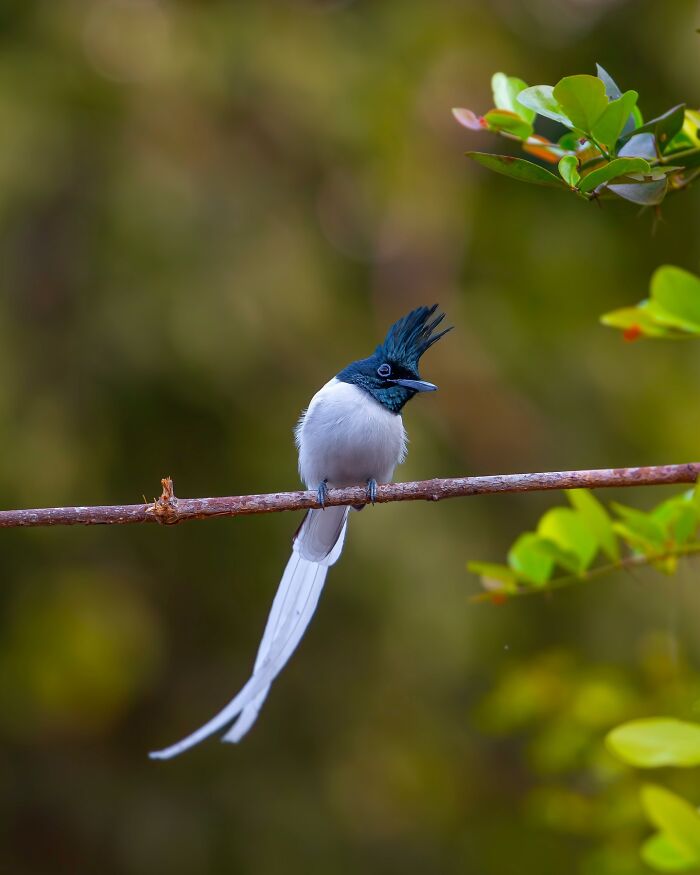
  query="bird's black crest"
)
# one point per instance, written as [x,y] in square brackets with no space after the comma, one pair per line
[410,337]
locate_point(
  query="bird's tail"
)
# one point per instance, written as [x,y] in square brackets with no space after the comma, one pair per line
[317,546]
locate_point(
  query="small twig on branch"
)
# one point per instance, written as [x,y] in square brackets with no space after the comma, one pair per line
[168,510]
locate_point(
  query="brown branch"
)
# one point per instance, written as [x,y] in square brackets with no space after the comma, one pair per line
[168,510]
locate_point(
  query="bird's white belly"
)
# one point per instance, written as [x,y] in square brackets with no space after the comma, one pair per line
[347,438]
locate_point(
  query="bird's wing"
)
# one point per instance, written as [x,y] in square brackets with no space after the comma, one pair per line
[292,609]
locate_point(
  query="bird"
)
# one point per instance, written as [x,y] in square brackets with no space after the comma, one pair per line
[351,434]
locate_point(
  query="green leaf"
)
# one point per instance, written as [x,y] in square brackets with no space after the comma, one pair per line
[672,311]
[675,294]
[568,169]
[582,98]
[639,528]
[517,168]
[530,559]
[660,852]
[608,126]
[563,558]
[597,519]
[505,93]
[616,168]
[569,141]
[663,127]
[675,817]
[679,517]
[656,741]
[637,318]
[568,530]
[689,135]
[540,98]
[494,578]
[511,122]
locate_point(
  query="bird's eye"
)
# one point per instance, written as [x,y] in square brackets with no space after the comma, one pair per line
[384,370]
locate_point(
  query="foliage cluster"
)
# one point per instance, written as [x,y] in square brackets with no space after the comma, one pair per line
[649,744]
[601,145]
[671,311]
[568,541]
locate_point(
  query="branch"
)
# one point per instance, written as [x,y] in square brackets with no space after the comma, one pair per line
[168,510]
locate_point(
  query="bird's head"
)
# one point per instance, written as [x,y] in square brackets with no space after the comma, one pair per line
[391,374]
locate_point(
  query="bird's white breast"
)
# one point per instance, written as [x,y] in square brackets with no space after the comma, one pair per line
[347,437]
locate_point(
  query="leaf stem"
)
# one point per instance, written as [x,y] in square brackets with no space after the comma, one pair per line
[600,148]
[676,156]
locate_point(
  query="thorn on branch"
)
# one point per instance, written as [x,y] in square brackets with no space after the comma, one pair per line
[165,508]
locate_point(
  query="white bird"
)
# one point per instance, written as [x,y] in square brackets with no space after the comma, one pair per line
[351,434]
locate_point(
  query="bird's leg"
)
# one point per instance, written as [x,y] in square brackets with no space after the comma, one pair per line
[322,492]
[372,489]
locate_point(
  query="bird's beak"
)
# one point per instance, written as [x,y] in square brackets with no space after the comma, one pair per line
[416,385]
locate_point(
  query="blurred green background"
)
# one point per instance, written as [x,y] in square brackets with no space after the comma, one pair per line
[206,210]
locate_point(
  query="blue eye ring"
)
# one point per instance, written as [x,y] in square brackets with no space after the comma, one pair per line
[384,371]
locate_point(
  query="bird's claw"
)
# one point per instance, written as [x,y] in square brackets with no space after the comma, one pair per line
[322,493]
[372,490]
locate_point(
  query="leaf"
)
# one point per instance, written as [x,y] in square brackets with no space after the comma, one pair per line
[568,169]
[570,141]
[691,125]
[639,146]
[541,99]
[616,168]
[634,120]
[563,558]
[512,123]
[505,93]
[675,817]
[582,98]
[689,135]
[611,87]
[609,125]
[656,741]
[597,519]
[542,148]
[637,317]
[646,194]
[468,119]
[672,311]
[530,560]
[639,528]
[679,517]
[638,120]
[494,578]
[663,127]
[662,854]
[568,530]
[675,294]
[517,168]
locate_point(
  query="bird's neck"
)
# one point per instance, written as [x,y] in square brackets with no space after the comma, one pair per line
[392,398]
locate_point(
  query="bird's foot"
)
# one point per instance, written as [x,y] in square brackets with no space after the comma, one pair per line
[322,493]
[372,490]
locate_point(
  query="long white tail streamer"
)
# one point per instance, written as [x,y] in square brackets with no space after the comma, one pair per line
[292,609]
